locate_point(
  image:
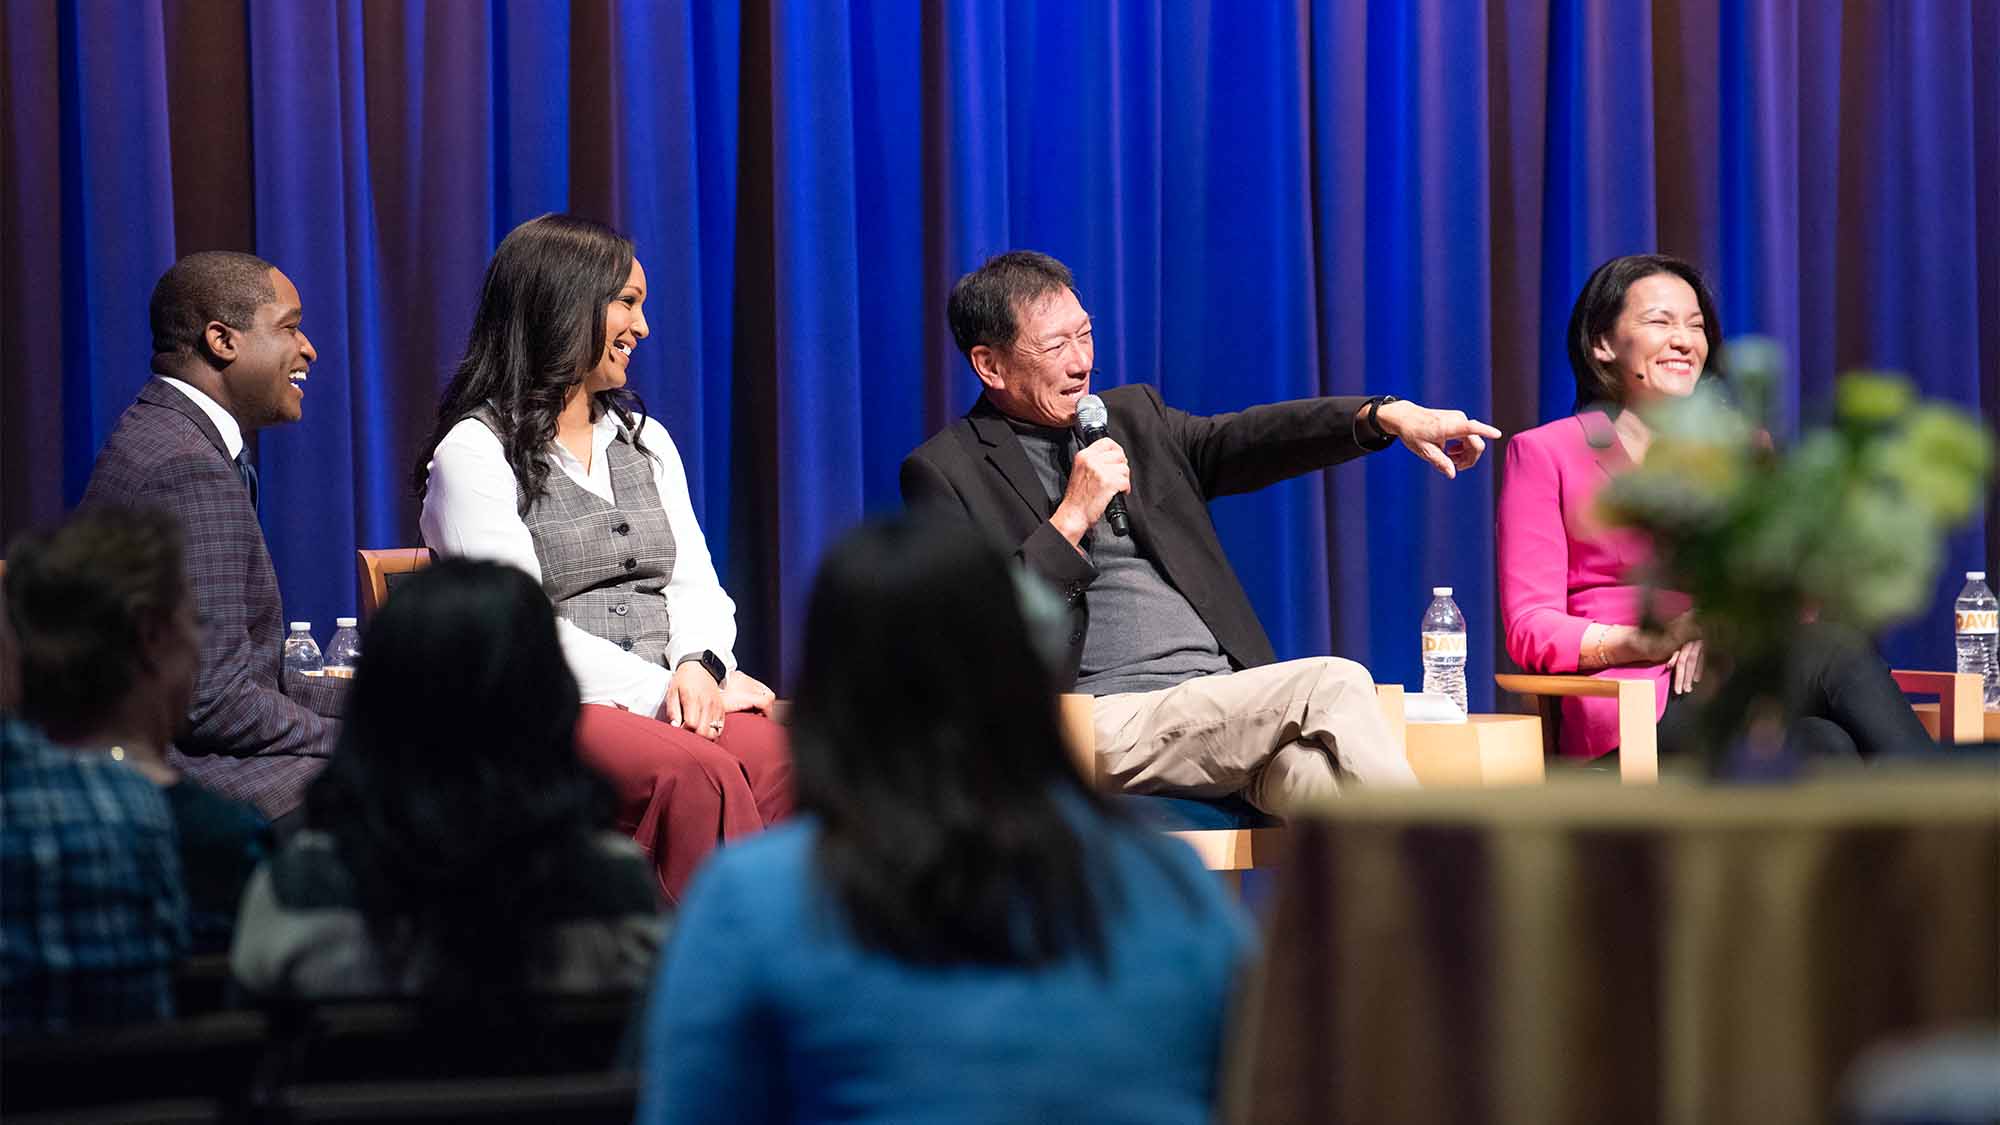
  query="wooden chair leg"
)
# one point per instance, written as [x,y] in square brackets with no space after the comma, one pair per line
[1079,730]
[1961,706]
[1638,736]
[1638,742]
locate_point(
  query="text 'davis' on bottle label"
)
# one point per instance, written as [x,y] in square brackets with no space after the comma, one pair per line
[1449,644]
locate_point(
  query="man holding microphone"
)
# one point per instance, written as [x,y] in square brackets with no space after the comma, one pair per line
[1190,699]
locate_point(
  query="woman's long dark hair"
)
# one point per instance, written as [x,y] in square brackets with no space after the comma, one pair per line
[926,742]
[1596,310]
[538,331]
[456,796]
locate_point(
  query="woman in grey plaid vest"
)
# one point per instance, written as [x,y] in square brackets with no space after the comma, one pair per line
[542,458]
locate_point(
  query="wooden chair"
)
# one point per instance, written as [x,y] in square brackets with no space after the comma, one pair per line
[1255,841]
[1960,713]
[379,1060]
[1638,747]
[382,569]
[203,1060]
[162,1111]
[378,1040]
[202,985]
[1957,715]
[571,1099]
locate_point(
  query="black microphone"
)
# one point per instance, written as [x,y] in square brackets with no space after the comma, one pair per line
[1094,422]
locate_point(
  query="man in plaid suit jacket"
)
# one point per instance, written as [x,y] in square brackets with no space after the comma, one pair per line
[229,358]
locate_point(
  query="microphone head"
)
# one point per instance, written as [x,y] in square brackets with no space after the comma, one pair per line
[1091,415]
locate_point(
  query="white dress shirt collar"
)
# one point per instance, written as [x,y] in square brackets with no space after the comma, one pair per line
[232,434]
[595,479]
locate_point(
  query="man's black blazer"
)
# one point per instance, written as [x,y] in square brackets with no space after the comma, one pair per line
[975,469]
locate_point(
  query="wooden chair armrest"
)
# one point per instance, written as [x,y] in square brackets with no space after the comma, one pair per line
[1638,742]
[1390,698]
[1961,704]
[375,565]
[1079,732]
[1590,686]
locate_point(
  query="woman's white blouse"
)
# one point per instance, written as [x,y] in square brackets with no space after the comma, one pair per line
[469,511]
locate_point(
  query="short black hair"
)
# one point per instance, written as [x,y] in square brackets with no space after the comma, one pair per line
[1597,308]
[222,285]
[982,304]
[78,597]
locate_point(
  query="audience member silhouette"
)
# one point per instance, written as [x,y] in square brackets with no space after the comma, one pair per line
[93,914]
[956,927]
[457,850]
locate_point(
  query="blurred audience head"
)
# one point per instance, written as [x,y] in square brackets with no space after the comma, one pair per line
[1618,352]
[538,332]
[456,784]
[104,625]
[10,661]
[927,745]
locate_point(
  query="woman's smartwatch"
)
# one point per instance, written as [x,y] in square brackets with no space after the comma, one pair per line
[710,663]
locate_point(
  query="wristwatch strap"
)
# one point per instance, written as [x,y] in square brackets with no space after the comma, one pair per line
[710,663]
[1373,438]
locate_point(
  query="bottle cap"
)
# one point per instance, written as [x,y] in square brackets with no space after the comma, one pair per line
[345,622]
[1975,576]
[302,626]
[1440,591]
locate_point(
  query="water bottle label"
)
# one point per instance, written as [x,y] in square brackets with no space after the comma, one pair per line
[1969,621]
[1449,644]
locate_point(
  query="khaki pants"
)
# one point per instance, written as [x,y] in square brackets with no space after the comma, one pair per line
[1283,735]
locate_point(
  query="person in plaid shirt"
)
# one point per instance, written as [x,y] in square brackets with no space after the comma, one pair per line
[108,646]
[92,916]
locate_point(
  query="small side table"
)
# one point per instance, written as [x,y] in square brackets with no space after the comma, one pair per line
[1483,750]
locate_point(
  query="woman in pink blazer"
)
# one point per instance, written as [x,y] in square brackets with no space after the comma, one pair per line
[1644,329]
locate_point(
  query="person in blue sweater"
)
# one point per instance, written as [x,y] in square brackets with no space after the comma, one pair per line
[956,928]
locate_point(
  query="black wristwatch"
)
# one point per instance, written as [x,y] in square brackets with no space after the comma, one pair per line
[1382,439]
[710,663]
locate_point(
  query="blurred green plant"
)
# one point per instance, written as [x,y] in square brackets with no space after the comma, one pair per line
[1847,524]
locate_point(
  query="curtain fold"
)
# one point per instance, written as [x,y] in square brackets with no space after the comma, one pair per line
[117,217]
[1260,201]
[315,221]
[33,398]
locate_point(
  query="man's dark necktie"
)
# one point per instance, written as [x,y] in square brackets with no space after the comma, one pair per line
[248,472]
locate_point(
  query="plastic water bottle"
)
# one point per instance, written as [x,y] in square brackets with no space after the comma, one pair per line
[1444,647]
[345,648]
[1979,634]
[301,651]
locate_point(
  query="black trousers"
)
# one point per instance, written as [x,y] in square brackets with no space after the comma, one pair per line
[1842,701]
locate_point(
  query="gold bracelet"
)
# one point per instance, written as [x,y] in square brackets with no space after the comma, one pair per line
[1603,661]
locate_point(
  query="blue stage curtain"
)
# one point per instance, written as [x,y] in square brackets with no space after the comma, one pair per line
[1260,200]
